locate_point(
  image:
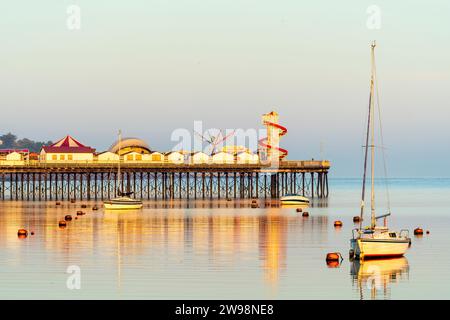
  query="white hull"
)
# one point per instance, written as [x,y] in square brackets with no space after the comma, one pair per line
[122,203]
[294,200]
[379,248]
[112,206]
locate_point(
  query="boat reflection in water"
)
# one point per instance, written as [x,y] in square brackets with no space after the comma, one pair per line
[376,276]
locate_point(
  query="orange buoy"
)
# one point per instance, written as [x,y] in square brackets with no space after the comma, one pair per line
[356,219]
[32,233]
[254,205]
[68,217]
[95,207]
[338,223]
[334,256]
[83,206]
[418,231]
[22,233]
[80,213]
[428,231]
[62,224]
[299,210]
[76,218]
[58,203]
[305,214]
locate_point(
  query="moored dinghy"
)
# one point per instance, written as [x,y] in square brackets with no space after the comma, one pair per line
[294,199]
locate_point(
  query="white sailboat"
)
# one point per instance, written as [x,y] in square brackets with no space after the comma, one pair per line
[123,201]
[375,241]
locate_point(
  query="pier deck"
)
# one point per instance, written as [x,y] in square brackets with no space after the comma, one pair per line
[97,181]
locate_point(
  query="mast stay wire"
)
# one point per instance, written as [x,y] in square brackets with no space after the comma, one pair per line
[377,100]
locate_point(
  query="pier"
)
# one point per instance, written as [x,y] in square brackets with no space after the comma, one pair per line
[40,181]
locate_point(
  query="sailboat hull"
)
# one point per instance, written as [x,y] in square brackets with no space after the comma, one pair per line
[115,206]
[122,203]
[379,248]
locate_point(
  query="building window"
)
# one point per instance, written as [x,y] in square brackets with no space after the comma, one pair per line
[138,157]
[130,157]
[62,157]
[69,157]
[156,157]
[54,157]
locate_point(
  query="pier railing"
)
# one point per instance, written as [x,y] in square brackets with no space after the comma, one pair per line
[302,165]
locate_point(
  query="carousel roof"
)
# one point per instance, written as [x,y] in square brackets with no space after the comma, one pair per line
[68,145]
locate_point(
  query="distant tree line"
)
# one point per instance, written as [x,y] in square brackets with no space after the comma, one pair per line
[9,141]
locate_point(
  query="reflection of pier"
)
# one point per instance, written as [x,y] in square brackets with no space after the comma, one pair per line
[45,181]
[221,240]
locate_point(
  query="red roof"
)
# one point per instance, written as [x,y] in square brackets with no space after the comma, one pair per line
[14,150]
[68,145]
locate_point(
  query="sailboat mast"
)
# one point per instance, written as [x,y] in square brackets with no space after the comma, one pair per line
[369,117]
[118,169]
[372,193]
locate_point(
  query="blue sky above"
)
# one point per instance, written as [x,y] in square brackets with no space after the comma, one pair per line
[150,67]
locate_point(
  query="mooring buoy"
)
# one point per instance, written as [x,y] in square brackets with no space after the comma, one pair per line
[22,233]
[333,259]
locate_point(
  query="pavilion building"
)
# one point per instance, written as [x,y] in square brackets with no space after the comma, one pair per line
[67,150]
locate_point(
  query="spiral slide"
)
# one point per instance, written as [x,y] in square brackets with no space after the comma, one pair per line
[263,141]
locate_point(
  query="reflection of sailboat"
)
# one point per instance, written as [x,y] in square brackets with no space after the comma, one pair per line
[375,241]
[123,201]
[377,275]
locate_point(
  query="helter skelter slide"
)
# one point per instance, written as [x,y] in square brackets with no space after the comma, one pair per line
[271,143]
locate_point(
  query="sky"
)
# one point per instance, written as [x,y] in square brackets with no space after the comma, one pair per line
[149,67]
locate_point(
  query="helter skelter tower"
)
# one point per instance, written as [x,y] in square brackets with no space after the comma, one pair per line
[271,144]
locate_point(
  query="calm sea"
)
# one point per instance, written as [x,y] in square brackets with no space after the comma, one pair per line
[224,249]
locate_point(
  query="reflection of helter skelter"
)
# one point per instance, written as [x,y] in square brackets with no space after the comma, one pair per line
[271,143]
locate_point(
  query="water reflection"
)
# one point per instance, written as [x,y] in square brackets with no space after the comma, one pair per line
[218,240]
[376,276]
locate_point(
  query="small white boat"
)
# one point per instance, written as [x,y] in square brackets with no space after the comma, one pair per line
[294,199]
[376,241]
[121,203]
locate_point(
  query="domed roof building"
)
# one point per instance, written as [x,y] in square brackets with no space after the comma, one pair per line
[130,145]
